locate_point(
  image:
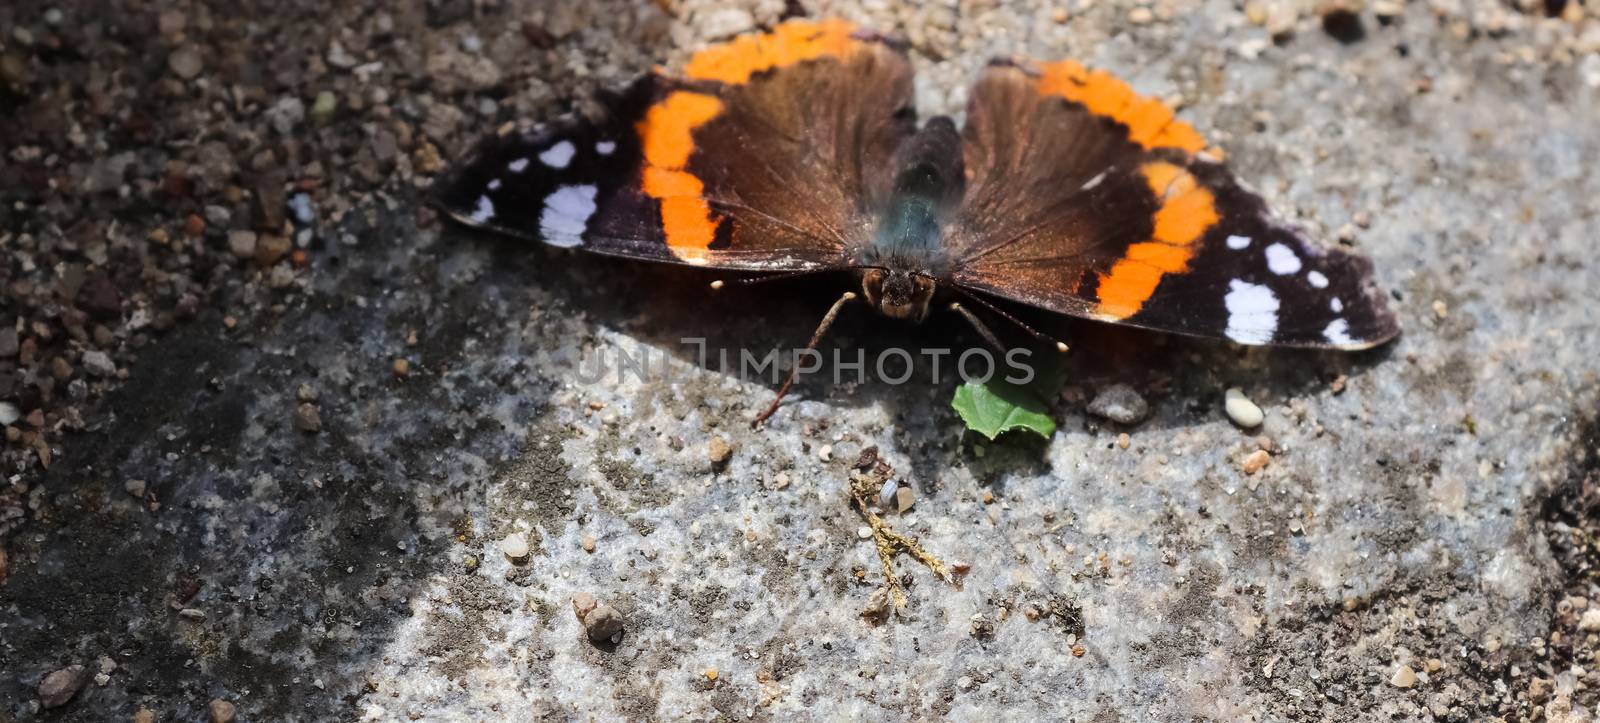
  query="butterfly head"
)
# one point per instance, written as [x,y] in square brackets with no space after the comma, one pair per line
[898,293]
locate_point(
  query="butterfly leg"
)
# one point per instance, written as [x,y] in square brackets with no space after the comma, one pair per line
[982,328]
[816,337]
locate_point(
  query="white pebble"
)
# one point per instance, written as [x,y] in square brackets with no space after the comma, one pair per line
[1241,410]
[515,546]
[886,495]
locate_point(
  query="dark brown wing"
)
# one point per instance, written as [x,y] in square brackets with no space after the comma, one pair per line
[1089,200]
[765,155]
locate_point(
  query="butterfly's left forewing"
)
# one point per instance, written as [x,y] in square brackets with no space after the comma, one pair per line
[1087,199]
[764,154]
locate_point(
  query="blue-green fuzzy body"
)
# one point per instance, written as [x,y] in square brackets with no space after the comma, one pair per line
[927,188]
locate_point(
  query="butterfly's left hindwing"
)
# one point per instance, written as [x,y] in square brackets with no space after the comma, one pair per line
[765,154]
[1089,200]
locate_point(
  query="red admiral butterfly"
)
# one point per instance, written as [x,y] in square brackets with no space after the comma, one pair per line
[797,151]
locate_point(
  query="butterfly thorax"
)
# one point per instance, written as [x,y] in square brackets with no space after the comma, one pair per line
[907,254]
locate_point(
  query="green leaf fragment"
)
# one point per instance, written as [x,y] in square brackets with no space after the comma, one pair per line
[995,407]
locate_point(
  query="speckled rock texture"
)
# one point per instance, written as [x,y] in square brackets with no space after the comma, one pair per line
[270,423]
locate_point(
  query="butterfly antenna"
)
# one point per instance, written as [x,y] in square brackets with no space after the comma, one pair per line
[816,337]
[1061,346]
[719,284]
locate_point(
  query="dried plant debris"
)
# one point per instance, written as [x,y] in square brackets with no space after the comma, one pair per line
[868,476]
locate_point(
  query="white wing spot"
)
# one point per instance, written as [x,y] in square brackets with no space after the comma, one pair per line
[484,211]
[1238,243]
[605,148]
[1282,260]
[1093,182]
[1252,313]
[494,184]
[1338,332]
[1317,279]
[1335,304]
[558,155]
[566,215]
[518,165]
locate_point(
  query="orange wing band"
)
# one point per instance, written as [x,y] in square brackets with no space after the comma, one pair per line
[1187,210]
[1150,122]
[792,42]
[667,136]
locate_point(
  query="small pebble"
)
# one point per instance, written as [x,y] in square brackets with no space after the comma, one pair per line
[134,487]
[904,498]
[305,213]
[582,603]
[1590,622]
[185,62]
[1404,677]
[602,622]
[242,244]
[1539,690]
[144,715]
[172,22]
[222,711]
[99,363]
[1141,16]
[1121,404]
[59,686]
[864,532]
[323,107]
[1241,410]
[271,248]
[825,452]
[886,494]
[402,367]
[719,452]
[515,546]
[711,674]
[1123,440]
[588,543]
[307,418]
[1256,461]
